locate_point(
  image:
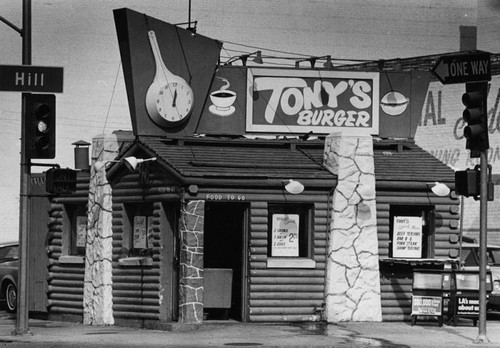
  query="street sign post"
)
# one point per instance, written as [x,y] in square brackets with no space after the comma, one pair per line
[467,68]
[28,78]
[462,68]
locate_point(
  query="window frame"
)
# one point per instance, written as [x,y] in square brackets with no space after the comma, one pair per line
[133,210]
[305,258]
[427,213]
[73,212]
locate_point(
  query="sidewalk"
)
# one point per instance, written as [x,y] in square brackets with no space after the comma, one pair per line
[232,334]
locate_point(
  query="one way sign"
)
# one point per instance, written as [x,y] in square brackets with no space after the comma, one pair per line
[462,68]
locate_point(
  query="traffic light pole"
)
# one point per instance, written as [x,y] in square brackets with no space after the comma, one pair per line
[483,218]
[22,294]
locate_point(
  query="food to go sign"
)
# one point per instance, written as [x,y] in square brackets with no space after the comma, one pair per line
[318,101]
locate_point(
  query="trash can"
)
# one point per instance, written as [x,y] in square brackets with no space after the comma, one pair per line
[465,294]
[217,288]
[431,291]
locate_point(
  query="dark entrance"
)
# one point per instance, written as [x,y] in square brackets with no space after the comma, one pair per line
[224,243]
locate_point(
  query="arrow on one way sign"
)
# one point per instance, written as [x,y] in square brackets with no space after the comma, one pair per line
[462,68]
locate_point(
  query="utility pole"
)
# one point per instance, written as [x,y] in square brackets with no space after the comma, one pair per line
[22,282]
[483,218]
[22,308]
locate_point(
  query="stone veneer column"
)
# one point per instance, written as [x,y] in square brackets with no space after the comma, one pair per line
[191,262]
[97,291]
[353,281]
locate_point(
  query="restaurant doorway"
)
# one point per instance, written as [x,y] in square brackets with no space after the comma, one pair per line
[225,236]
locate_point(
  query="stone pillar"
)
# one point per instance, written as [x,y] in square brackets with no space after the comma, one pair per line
[191,262]
[97,292]
[352,290]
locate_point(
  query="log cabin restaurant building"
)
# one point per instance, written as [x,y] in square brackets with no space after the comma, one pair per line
[170,226]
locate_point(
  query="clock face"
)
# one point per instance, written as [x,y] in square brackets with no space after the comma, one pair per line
[174,103]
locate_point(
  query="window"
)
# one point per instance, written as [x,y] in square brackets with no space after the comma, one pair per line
[139,229]
[77,219]
[289,230]
[411,232]
[9,253]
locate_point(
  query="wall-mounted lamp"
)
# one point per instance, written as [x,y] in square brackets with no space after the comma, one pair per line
[132,162]
[244,58]
[440,189]
[294,187]
[328,64]
[312,60]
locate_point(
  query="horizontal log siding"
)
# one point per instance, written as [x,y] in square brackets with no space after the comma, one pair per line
[277,294]
[136,290]
[396,281]
[65,281]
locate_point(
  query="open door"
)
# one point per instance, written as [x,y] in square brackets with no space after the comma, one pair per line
[225,261]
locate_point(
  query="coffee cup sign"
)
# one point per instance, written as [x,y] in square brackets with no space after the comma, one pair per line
[222,100]
[407,237]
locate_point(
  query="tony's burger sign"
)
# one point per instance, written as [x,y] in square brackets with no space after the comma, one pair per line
[208,98]
[295,101]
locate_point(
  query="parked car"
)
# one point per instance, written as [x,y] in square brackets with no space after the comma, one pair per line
[470,260]
[8,274]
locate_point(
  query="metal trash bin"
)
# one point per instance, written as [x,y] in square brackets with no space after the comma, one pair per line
[431,290]
[465,294]
[217,288]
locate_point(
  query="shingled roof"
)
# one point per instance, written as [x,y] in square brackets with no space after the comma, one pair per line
[218,158]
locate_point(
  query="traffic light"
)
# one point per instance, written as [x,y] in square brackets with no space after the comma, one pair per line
[475,114]
[467,182]
[60,181]
[40,111]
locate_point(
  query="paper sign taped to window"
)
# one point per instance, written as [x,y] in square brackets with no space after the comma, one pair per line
[285,235]
[140,231]
[407,237]
[81,231]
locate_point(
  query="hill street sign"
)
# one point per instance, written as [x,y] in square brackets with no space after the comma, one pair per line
[463,68]
[29,78]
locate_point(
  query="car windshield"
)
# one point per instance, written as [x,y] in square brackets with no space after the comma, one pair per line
[9,252]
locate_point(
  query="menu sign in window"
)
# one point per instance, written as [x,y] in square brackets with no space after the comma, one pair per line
[285,235]
[140,232]
[81,231]
[407,237]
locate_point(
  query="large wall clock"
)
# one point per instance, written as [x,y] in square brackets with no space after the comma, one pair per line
[169,99]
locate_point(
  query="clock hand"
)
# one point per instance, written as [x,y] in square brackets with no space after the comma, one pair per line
[175,98]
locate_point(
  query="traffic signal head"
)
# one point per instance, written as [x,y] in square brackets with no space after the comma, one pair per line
[475,114]
[40,111]
[467,182]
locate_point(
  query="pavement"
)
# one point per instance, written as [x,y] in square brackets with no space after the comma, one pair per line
[45,333]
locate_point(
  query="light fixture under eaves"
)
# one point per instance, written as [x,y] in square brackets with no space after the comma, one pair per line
[312,60]
[132,162]
[244,58]
[440,189]
[294,187]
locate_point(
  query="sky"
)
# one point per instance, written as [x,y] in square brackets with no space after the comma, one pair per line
[79,35]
